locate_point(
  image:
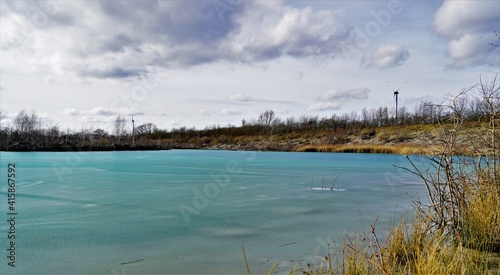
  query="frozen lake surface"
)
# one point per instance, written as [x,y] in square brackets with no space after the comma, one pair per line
[190,211]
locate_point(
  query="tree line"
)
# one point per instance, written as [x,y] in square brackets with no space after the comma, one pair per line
[27,132]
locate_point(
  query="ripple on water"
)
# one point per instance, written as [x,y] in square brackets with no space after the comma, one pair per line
[231,232]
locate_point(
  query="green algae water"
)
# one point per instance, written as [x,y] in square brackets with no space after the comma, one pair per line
[190,211]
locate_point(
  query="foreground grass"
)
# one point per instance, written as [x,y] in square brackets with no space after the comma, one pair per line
[409,248]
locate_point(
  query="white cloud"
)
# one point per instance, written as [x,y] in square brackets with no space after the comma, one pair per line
[334,99]
[101,111]
[71,112]
[469,27]
[203,112]
[457,18]
[229,112]
[123,39]
[298,75]
[240,97]
[159,113]
[136,113]
[271,30]
[385,56]
[357,93]
[91,119]
[322,106]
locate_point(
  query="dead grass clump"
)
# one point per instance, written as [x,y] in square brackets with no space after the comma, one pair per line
[480,224]
[403,149]
[409,248]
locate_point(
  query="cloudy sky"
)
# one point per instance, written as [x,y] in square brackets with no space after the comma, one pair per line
[79,64]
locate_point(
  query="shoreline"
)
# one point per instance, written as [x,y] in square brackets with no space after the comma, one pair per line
[401,149]
[86,148]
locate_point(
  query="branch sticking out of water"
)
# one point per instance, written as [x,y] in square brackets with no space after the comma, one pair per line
[288,244]
[334,182]
[245,258]
[131,262]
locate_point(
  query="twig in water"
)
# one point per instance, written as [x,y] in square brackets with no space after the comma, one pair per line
[287,244]
[131,262]
[334,181]
[245,258]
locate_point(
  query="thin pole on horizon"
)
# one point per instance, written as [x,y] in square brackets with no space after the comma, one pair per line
[396,93]
[133,131]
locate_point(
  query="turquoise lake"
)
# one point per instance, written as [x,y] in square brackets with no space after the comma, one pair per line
[190,211]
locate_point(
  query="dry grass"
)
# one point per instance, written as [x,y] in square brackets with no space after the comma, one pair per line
[403,149]
[409,248]
[481,216]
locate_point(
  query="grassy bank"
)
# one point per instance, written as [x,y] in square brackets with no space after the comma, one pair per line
[458,231]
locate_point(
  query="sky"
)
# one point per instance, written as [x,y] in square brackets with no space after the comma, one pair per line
[80,64]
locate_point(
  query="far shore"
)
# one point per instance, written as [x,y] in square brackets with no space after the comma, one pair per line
[421,139]
[402,149]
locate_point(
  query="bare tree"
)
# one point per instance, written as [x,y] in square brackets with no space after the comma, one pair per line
[119,129]
[51,135]
[26,123]
[498,37]
[2,116]
[404,115]
[490,94]
[382,116]
[266,118]
[100,133]
[463,190]
[147,128]
[365,117]
[290,124]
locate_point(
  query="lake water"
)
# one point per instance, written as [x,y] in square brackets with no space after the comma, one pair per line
[190,211]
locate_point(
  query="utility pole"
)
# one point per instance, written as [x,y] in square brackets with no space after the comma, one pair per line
[133,131]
